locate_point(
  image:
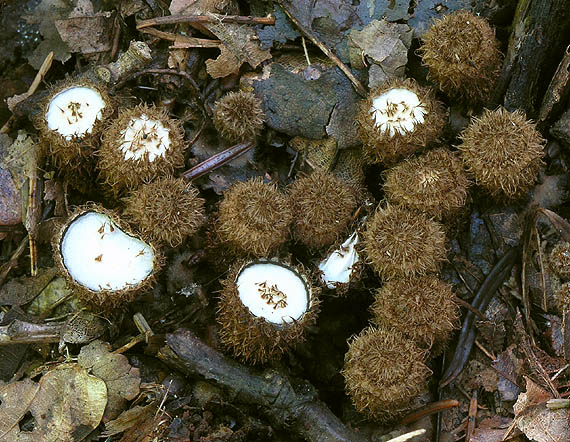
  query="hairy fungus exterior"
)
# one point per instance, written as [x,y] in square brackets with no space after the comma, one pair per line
[462,55]
[435,183]
[560,260]
[264,309]
[167,210]
[401,243]
[503,151]
[140,145]
[397,119]
[254,218]
[323,206]
[562,298]
[383,372]
[238,116]
[102,259]
[422,308]
[70,122]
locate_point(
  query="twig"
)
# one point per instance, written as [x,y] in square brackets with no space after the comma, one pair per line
[217,160]
[6,267]
[469,307]
[268,390]
[190,42]
[492,282]
[212,18]
[471,419]
[307,33]
[21,332]
[434,407]
[408,436]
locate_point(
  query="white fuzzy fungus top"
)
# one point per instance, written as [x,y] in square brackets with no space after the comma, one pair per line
[144,137]
[100,256]
[338,266]
[73,112]
[397,111]
[275,292]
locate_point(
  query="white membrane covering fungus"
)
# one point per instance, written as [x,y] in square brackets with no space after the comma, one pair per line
[100,256]
[397,111]
[144,137]
[73,112]
[275,292]
[337,268]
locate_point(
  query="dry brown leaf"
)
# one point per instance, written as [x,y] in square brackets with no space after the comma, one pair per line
[67,404]
[121,378]
[129,418]
[19,291]
[239,45]
[538,422]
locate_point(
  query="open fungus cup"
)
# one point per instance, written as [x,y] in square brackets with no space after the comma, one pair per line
[102,259]
[265,308]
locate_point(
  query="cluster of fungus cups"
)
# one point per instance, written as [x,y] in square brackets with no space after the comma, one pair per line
[462,55]
[397,119]
[72,118]
[503,151]
[265,308]
[106,263]
[140,145]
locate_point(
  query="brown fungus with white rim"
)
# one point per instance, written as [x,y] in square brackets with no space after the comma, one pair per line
[264,310]
[105,263]
[140,145]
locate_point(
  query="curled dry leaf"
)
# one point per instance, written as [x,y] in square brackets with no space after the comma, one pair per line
[67,404]
[121,378]
[536,421]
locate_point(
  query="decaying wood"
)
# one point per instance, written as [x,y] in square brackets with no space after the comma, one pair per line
[267,389]
[211,18]
[537,42]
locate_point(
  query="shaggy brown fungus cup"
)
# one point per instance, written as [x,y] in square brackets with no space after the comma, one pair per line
[397,119]
[264,309]
[401,243]
[503,151]
[141,144]
[462,55]
[105,263]
[384,371]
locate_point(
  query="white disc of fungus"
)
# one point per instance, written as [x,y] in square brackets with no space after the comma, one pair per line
[275,292]
[145,138]
[338,266]
[74,111]
[397,110]
[100,256]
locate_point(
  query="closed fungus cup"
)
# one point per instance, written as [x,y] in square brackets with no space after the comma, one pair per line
[264,309]
[462,55]
[503,151]
[397,119]
[323,207]
[401,243]
[254,218]
[167,210]
[238,116]
[560,260]
[434,183]
[422,308]
[70,123]
[106,263]
[342,267]
[384,371]
[141,144]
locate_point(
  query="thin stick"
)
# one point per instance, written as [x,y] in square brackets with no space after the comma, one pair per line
[217,160]
[468,306]
[344,68]
[212,18]
[182,39]
[471,420]
[6,267]
[305,51]
[434,407]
